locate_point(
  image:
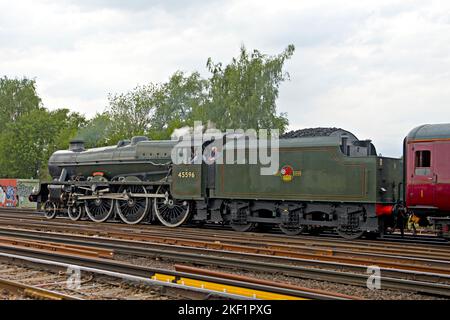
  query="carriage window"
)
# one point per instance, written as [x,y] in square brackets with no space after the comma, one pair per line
[423,162]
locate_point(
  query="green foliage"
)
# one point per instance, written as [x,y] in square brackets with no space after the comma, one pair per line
[17,97]
[243,94]
[240,95]
[176,103]
[155,110]
[95,133]
[131,113]
[26,144]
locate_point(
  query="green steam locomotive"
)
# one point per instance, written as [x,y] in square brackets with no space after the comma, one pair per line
[325,179]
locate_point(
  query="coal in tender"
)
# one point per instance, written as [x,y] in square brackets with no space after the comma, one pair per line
[310,132]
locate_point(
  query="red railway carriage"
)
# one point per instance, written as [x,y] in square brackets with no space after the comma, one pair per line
[427,159]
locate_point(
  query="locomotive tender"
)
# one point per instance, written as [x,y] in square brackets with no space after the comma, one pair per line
[326,181]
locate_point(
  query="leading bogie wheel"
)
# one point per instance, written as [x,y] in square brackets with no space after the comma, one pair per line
[170,212]
[50,210]
[75,213]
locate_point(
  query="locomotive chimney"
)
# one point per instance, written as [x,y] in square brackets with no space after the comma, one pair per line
[76,145]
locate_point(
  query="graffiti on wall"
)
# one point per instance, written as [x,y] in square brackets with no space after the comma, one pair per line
[24,189]
[8,192]
[15,192]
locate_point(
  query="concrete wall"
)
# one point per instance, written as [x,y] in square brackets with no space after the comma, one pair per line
[15,192]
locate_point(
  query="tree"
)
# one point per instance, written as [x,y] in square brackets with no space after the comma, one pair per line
[243,94]
[27,143]
[96,131]
[154,110]
[131,113]
[177,102]
[17,97]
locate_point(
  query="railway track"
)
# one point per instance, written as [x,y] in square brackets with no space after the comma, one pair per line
[412,267]
[426,282]
[274,232]
[23,290]
[318,258]
[223,235]
[186,285]
[423,259]
[26,281]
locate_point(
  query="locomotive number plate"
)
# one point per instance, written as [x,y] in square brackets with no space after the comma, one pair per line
[186,175]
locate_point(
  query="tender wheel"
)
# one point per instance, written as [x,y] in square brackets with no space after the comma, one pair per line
[50,210]
[291,231]
[243,227]
[350,225]
[133,210]
[350,234]
[239,217]
[172,213]
[75,213]
[99,210]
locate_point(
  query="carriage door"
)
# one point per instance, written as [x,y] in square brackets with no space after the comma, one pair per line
[424,178]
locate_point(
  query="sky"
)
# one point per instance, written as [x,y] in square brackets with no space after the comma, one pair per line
[376,68]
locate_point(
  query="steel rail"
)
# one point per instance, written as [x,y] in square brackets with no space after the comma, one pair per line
[427,239]
[33,291]
[57,247]
[438,243]
[136,247]
[316,242]
[305,253]
[433,253]
[390,278]
[151,276]
[196,270]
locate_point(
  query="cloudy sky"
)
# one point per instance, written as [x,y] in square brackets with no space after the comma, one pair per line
[376,68]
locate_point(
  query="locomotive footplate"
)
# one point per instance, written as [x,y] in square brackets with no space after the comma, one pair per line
[119,196]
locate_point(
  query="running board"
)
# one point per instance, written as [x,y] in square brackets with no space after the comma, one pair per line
[121,196]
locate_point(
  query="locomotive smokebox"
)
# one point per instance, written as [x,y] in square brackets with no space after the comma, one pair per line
[76,145]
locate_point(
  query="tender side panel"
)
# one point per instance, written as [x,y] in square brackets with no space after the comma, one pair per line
[389,180]
[318,173]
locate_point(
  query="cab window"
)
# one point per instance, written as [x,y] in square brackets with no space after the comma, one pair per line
[423,163]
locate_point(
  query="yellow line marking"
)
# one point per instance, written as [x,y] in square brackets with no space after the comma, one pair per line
[252,293]
[163,277]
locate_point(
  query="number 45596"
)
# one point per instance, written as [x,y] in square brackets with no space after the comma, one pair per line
[186,175]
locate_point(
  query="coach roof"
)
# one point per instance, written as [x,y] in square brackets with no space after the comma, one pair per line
[430,132]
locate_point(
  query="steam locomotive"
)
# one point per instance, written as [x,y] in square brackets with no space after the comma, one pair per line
[327,179]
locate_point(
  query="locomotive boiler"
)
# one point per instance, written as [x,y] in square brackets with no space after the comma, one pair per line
[95,181]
